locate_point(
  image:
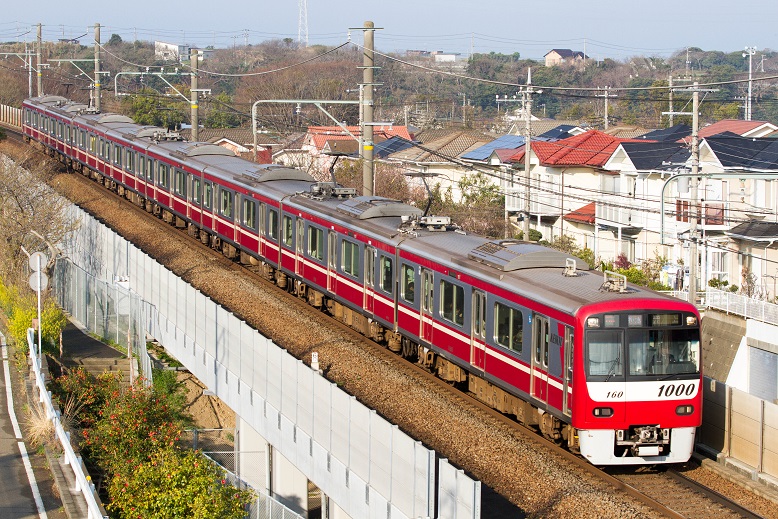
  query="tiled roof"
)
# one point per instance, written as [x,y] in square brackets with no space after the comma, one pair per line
[319,135]
[242,136]
[585,214]
[730,125]
[626,132]
[674,133]
[647,156]
[451,145]
[592,148]
[755,231]
[734,151]
[505,142]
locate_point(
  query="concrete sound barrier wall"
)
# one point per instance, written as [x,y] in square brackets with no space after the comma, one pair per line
[365,464]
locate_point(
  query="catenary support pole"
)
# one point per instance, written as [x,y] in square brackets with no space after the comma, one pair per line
[38,60]
[194,56]
[97,67]
[368,179]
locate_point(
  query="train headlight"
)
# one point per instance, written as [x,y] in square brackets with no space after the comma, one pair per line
[603,412]
[691,320]
[593,322]
[684,410]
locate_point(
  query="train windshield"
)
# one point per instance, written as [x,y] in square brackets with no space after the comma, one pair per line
[619,346]
[663,352]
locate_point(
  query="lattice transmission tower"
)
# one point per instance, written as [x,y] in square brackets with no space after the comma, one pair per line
[302,25]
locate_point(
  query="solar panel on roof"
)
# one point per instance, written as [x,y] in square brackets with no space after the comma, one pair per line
[504,142]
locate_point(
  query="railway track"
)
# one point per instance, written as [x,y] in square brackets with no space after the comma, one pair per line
[652,491]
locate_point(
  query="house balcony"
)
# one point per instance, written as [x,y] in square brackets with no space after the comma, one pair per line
[621,212]
[542,204]
[713,216]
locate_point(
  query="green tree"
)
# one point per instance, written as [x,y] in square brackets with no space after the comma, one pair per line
[220,113]
[175,484]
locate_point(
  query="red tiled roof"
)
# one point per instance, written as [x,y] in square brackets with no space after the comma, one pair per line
[730,125]
[319,135]
[583,214]
[592,148]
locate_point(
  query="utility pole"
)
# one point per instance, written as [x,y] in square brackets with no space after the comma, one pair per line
[368,62]
[670,83]
[606,95]
[97,67]
[695,183]
[38,61]
[194,55]
[527,92]
[750,51]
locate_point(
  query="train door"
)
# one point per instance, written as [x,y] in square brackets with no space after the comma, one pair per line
[369,277]
[540,335]
[427,298]
[567,369]
[298,257]
[332,261]
[478,332]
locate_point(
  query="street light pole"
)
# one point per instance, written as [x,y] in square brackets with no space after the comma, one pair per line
[750,51]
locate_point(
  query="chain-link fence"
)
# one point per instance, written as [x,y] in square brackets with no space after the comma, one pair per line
[108,310]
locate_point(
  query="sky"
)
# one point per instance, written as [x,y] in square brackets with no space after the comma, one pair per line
[603,28]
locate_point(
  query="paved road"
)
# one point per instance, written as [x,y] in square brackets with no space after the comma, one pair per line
[19,497]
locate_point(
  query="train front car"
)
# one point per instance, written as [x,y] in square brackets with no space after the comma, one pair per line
[639,400]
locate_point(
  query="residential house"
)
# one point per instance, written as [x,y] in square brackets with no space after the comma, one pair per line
[556,57]
[238,140]
[439,155]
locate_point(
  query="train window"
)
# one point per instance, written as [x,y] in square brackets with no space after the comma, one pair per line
[604,353]
[288,236]
[150,171]
[83,141]
[315,243]
[387,278]
[163,175]
[196,189]
[179,182]
[508,327]
[370,255]
[408,283]
[208,195]
[129,161]
[60,130]
[249,213]
[225,203]
[541,340]
[142,166]
[107,148]
[349,256]
[92,143]
[272,224]
[662,352]
[452,302]
[117,154]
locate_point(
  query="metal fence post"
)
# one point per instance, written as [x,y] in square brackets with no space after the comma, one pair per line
[761,436]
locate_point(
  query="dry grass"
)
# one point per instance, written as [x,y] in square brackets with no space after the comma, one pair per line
[40,429]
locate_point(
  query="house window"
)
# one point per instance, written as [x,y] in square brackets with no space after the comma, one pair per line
[682,210]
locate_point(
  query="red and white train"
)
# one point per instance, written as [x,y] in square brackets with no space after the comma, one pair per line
[612,369]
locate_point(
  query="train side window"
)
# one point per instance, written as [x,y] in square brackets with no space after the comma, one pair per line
[541,341]
[197,188]
[249,213]
[272,224]
[315,243]
[92,143]
[142,166]
[370,254]
[408,283]
[83,142]
[350,257]
[117,155]
[386,274]
[288,235]
[208,195]
[129,161]
[225,203]
[452,302]
[60,130]
[179,185]
[107,150]
[508,327]
[150,167]
[164,175]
